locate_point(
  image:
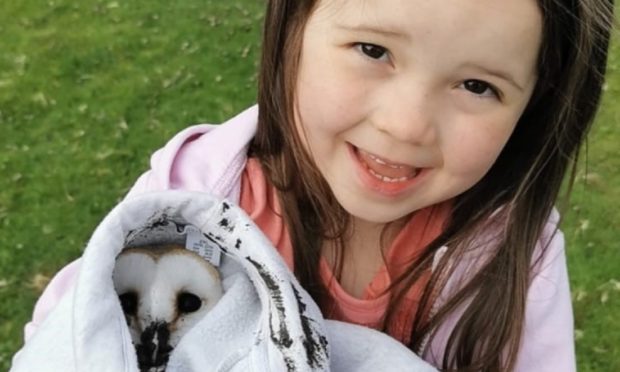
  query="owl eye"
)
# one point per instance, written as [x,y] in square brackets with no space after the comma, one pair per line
[188,303]
[129,302]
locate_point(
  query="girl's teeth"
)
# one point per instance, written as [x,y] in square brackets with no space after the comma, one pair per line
[385,171]
[389,179]
[383,162]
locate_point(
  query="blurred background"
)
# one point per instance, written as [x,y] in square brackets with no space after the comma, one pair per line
[89,89]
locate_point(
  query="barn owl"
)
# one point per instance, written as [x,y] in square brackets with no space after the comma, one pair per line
[163,291]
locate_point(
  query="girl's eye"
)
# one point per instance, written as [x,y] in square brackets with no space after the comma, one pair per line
[480,88]
[373,51]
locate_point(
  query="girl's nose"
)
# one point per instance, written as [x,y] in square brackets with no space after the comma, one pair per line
[408,114]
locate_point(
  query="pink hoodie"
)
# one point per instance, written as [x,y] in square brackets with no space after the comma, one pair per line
[212,158]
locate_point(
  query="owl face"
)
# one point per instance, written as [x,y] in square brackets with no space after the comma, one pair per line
[164,291]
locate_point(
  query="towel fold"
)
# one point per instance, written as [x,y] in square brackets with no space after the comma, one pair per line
[265,320]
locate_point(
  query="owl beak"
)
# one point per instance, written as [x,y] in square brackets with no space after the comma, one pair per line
[154,348]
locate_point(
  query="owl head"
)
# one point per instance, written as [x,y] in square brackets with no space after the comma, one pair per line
[164,291]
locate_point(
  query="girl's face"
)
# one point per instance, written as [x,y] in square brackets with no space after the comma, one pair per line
[407,103]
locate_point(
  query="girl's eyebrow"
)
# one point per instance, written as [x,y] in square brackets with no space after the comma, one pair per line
[389,32]
[399,34]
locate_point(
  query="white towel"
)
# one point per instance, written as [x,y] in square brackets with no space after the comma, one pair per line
[264,322]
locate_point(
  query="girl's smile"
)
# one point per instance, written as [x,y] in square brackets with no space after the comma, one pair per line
[386,170]
[381,175]
[399,114]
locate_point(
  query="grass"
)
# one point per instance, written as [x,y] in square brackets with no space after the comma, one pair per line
[89,89]
[592,231]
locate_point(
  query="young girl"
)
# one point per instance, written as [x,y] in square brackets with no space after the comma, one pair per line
[405,158]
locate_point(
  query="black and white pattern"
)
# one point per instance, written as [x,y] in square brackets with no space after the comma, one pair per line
[265,321]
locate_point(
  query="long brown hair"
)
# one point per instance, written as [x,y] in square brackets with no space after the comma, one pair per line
[518,192]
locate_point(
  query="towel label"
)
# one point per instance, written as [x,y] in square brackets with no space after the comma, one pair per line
[198,243]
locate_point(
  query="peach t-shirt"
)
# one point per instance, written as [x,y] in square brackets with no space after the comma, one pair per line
[259,200]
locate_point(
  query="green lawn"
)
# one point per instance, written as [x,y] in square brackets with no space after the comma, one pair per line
[89,89]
